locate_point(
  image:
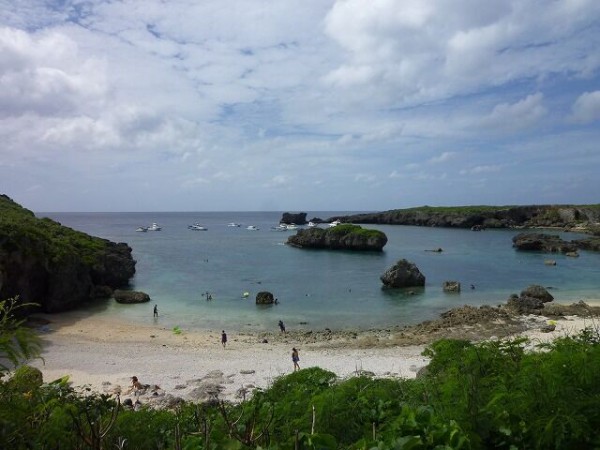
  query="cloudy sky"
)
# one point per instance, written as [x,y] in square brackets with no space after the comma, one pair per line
[306,105]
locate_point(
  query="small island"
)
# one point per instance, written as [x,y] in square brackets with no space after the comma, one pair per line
[341,237]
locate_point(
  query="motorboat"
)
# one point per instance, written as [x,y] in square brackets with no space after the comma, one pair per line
[154,227]
[141,229]
[252,228]
[291,226]
[335,223]
[234,224]
[312,224]
[197,227]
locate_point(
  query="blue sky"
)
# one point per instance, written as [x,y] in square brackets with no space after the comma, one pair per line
[304,105]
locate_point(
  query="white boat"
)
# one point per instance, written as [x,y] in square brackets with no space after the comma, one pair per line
[291,226]
[312,224]
[233,224]
[335,223]
[197,227]
[141,229]
[252,228]
[154,227]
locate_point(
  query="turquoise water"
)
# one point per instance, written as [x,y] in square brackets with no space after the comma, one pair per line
[317,289]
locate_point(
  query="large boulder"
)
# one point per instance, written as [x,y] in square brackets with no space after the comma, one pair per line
[403,274]
[537,291]
[264,298]
[531,300]
[451,286]
[341,237]
[130,297]
[297,218]
[525,305]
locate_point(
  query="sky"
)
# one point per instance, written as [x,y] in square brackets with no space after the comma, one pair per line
[306,105]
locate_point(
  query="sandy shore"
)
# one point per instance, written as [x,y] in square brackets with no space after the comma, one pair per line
[104,355]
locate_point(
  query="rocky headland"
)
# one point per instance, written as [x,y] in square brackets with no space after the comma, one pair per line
[578,217]
[56,267]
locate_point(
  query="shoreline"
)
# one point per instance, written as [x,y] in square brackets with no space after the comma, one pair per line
[103,354]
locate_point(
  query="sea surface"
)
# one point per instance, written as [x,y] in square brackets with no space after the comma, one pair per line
[317,289]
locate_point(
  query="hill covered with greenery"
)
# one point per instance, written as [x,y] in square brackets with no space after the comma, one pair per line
[44,262]
[562,216]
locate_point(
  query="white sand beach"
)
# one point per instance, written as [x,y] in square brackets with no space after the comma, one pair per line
[104,354]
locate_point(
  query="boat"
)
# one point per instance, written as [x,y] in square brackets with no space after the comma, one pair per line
[154,227]
[197,227]
[252,228]
[141,229]
[291,226]
[335,223]
[312,224]
[234,224]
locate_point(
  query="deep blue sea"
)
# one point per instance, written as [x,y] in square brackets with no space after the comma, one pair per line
[317,288]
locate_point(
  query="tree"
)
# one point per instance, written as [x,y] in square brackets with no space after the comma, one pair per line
[17,342]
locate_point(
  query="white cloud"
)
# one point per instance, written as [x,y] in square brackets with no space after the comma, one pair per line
[444,157]
[586,108]
[218,96]
[514,116]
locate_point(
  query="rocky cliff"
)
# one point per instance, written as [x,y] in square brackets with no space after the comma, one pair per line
[59,268]
[342,237]
[478,217]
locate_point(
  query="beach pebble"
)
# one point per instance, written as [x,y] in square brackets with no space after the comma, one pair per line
[247,372]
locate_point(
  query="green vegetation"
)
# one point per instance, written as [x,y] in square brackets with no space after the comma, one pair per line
[473,396]
[344,229]
[458,210]
[17,342]
[21,231]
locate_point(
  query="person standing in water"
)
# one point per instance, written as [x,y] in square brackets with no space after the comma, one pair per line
[223,338]
[155,310]
[282,326]
[295,359]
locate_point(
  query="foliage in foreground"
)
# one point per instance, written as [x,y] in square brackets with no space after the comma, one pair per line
[474,396]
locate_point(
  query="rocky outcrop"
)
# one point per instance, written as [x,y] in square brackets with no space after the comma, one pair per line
[403,274]
[451,286]
[341,237]
[58,268]
[297,218]
[542,242]
[482,217]
[130,297]
[592,243]
[531,300]
[265,298]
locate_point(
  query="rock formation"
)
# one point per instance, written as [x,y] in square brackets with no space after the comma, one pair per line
[297,218]
[342,237]
[403,274]
[58,268]
[531,300]
[542,242]
[482,217]
[451,286]
[265,298]
[130,297]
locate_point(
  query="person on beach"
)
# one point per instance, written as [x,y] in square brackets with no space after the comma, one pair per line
[223,338]
[295,359]
[282,326]
[155,310]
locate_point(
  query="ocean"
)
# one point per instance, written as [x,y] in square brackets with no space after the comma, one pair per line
[317,289]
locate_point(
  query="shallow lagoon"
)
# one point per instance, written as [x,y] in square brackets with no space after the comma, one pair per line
[317,289]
